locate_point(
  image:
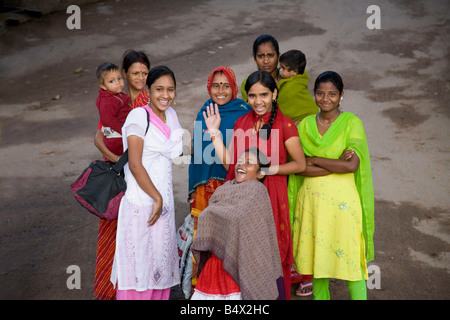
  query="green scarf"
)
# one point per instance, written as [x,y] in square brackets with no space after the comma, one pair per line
[294,99]
[346,131]
[243,92]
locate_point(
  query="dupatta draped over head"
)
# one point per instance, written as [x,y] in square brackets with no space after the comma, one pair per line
[347,131]
[229,73]
[204,164]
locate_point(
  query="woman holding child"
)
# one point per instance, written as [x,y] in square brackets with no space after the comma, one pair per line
[294,100]
[135,68]
[276,136]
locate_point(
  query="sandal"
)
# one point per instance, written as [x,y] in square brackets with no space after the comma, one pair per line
[303,289]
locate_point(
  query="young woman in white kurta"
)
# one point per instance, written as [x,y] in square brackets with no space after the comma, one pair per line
[146,259]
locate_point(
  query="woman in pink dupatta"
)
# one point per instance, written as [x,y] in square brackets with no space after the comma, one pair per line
[146,258]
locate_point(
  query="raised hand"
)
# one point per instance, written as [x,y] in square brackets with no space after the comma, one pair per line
[212,117]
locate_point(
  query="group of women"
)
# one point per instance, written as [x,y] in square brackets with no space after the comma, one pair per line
[315,211]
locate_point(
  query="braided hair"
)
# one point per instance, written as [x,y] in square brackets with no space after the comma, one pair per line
[266,80]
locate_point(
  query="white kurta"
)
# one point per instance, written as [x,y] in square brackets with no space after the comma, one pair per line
[147,257]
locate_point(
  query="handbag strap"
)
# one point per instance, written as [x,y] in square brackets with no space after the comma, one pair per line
[124,157]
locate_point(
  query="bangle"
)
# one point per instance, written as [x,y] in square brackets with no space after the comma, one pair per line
[213,133]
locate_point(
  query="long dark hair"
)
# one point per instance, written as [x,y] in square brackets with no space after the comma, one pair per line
[266,80]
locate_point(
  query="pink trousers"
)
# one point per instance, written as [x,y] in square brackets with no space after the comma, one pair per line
[143,295]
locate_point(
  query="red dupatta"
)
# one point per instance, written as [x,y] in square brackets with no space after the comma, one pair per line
[141,100]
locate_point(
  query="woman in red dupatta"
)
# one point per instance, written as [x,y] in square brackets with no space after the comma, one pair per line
[135,68]
[205,178]
[266,128]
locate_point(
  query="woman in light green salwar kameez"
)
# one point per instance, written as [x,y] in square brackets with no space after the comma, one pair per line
[332,214]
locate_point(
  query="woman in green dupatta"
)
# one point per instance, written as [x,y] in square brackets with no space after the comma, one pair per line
[333,219]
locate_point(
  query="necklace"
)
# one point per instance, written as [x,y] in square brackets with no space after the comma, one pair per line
[323,124]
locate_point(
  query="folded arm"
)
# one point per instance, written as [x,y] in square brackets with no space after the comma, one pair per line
[348,162]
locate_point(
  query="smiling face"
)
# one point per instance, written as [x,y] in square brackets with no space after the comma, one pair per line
[260,98]
[113,81]
[137,75]
[327,96]
[221,91]
[162,93]
[247,168]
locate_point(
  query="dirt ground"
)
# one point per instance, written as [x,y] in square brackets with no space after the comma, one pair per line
[396,80]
